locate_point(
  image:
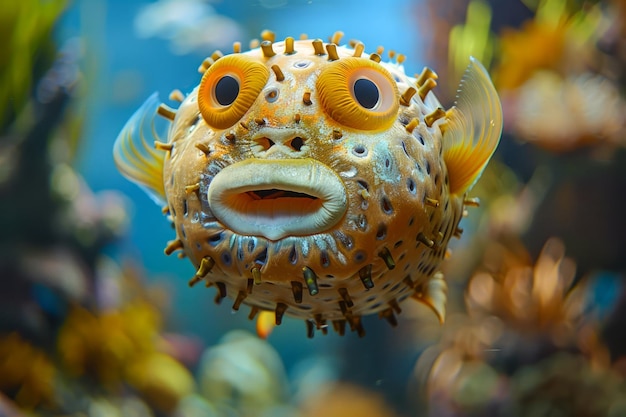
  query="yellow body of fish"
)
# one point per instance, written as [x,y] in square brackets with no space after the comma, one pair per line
[311,179]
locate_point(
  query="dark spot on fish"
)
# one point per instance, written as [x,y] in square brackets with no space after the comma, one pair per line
[182,231]
[240,253]
[404,149]
[387,163]
[363,184]
[359,256]
[345,240]
[395,287]
[386,205]
[330,276]
[381,233]
[403,297]
[427,167]
[324,259]
[215,239]
[411,220]
[420,138]
[293,255]
[185,207]
[361,222]
[226,258]
[251,245]
[410,184]
[397,244]
[359,150]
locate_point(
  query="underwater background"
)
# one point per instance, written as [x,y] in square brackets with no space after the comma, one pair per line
[96,321]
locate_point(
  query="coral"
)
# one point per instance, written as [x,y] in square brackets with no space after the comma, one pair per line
[26,373]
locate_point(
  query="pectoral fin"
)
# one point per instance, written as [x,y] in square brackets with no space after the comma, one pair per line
[434,294]
[473,128]
[134,152]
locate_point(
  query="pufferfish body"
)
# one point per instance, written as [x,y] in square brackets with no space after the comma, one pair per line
[309,179]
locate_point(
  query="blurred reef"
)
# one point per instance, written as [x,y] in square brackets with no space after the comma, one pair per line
[537,302]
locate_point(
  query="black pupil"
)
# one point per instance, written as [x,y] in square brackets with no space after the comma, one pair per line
[226,90]
[366,93]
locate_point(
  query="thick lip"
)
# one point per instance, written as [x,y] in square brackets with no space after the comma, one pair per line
[276,198]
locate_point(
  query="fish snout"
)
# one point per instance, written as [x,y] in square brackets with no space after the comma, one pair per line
[286,142]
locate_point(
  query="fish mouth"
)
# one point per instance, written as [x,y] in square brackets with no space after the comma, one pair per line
[277,198]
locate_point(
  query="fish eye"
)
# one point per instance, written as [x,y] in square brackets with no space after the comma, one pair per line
[229,88]
[358,93]
[226,90]
[366,93]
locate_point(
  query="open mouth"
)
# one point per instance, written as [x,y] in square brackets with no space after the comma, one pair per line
[277,198]
[275,193]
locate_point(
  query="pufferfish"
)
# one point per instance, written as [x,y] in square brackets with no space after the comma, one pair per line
[312,179]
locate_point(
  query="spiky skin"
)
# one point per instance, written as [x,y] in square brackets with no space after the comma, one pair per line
[388,175]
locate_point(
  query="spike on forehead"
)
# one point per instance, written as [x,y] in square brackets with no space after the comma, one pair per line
[177,95]
[268,35]
[425,88]
[331,48]
[426,74]
[268,50]
[318,47]
[289,49]
[205,65]
[278,72]
[336,38]
[375,57]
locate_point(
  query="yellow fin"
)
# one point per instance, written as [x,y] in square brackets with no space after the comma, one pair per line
[134,153]
[434,294]
[473,128]
[265,324]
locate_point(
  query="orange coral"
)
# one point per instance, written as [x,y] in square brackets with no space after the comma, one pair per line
[26,373]
[537,45]
[530,298]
